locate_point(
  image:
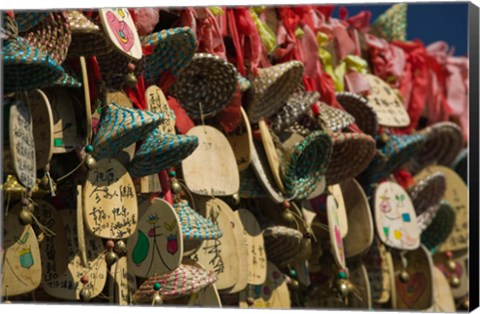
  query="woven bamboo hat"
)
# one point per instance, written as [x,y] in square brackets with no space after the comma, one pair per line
[160,151]
[184,280]
[297,105]
[250,187]
[305,163]
[115,68]
[88,38]
[440,227]
[392,155]
[444,140]
[357,106]
[428,192]
[28,19]
[26,67]
[121,127]
[206,86]
[195,226]
[392,24]
[283,244]
[304,125]
[271,89]
[51,35]
[351,154]
[172,50]
[334,119]
[460,164]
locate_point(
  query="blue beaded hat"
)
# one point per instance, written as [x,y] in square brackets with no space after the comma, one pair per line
[250,187]
[26,67]
[29,19]
[120,128]
[173,49]
[194,225]
[160,151]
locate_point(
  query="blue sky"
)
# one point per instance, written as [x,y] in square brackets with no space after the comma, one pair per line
[428,22]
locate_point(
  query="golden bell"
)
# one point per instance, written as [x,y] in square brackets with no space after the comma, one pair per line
[294,284]
[157,299]
[120,247]
[343,287]
[111,258]
[85,294]
[455,282]
[250,301]
[384,137]
[451,265]
[130,80]
[404,276]
[91,162]
[176,187]
[44,182]
[236,198]
[25,217]
[288,216]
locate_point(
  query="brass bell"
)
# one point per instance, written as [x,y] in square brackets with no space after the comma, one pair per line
[91,162]
[451,265]
[157,299]
[384,137]
[294,284]
[120,247]
[236,198]
[111,258]
[466,304]
[176,187]
[44,182]
[25,217]
[250,301]
[343,288]
[130,80]
[455,281]
[85,294]
[288,216]
[404,276]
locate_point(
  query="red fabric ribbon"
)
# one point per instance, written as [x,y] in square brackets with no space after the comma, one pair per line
[231,116]
[183,122]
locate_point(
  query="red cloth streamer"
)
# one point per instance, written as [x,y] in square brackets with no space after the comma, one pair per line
[183,122]
[137,94]
[165,185]
[231,116]
[404,178]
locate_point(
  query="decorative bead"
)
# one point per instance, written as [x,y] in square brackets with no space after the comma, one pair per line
[91,162]
[120,246]
[111,258]
[157,299]
[466,304]
[84,279]
[236,198]
[342,275]
[25,217]
[89,149]
[85,294]
[267,291]
[157,286]
[449,254]
[172,174]
[288,216]
[293,273]
[110,244]
[131,67]
[454,281]
[250,301]
[286,204]
[404,276]
[24,201]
